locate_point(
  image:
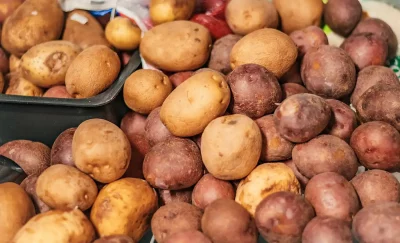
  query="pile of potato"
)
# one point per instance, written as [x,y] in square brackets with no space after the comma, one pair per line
[246,129]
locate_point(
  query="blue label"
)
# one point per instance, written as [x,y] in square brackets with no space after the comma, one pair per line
[101,12]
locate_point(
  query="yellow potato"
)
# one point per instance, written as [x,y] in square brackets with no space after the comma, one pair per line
[122,34]
[264,180]
[177,46]
[56,226]
[46,64]
[16,208]
[162,11]
[124,207]
[21,86]
[194,103]
[145,90]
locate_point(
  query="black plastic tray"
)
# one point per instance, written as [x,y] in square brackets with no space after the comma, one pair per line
[43,119]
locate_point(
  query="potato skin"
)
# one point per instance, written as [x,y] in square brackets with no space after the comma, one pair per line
[307,38]
[274,146]
[220,53]
[16,210]
[29,185]
[37,229]
[162,11]
[59,91]
[195,103]
[14,63]
[133,125]
[117,209]
[21,86]
[177,46]
[173,164]
[123,34]
[169,196]
[101,149]
[233,217]
[264,180]
[155,130]
[192,236]
[329,72]
[332,195]
[255,91]
[114,239]
[343,120]
[61,151]
[231,146]
[327,230]
[342,16]
[293,75]
[289,89]
[179,77]
[289,210]
[7,7]
[32,157]
[173,218]
[377,223]
[377,145]
[302,117]
[300,177]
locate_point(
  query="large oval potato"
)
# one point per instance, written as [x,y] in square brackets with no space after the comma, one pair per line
[46,64]
[177,46]
[194,103]
[124,207]
[162,11]
[32,23]
[101,149]
[57,226]
[231,146]
[16,209]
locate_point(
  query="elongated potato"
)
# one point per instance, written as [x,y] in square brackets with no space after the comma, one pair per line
[194,103]
[46,64]
[124,207]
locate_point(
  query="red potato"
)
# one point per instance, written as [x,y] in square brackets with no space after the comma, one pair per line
[4,62]
[218,28]
[167,196]
[274,146]
[327,230]
[308,38]
[133,125]
[155,130]
[192,236]
[343,120]
[342,16]
[300,177]
[377,145]
[29,185]
[289,89]
[220,53]
[180,77]
[125,57]
[61,151]
[293,75]
[58,92]
[215,8]
[208,189]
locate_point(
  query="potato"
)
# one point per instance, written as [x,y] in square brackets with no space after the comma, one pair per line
[176,46]
[274,146]
[29,185]
[124,207]
[173,164]
[300,177]
[342,16]
[59,91]
[32,157]
[327,230]
[217,26]
[220,53]
[289,89]
[377,223]
[332,195]
[193,236]
[162,11]
[114,239]
[376,186]
[370,76]
[57,226]
[101,149]
[92,71]
[168,196]
[179,77]
[267,47]
[16,210]
[14,63]
[155,131]
[380,28]
[195,103]
[145,90]
[255,91]
[7,7]
[377,145]
[246,17]
[231,146]
[343,120]
[264,180]
[293,75]
[299,14]
[307,38]
[21,86]
[122,34]
[4,60]
[174,218]
[366,49]
[302,117]
[329,72]
[209,189]
[36,27]
[133,125]
[282,217]
[380,103]
[84,30]
[2,83]
[79,190]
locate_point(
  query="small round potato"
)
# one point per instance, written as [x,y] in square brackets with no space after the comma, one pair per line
[220,54]
[224,220]
[101,149]
[264,180]
[29,185]
[115,239]
[327,230]
[332,195]
[168,196]
[192,236]
[289,89]
[78,189]
[145,90]
[122,34]
[343,120]
[174,218]
[162,11]
[59,91]
[133,125]
[342,16]
[231,146]
[155,130]
[308,38]
[57,226]
[61,151]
